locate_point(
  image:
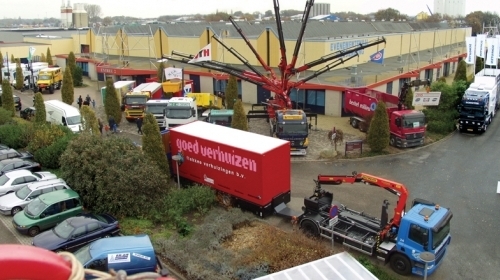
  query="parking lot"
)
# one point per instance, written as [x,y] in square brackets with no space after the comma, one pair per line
[9,233]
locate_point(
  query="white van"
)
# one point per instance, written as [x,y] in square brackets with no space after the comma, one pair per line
[61,113]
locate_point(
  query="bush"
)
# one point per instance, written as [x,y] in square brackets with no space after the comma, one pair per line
[48,57]
[152,144]
[16,135]
[239,120]
[46,134]
[441,118]
[378,133]
[8,97]
[5,116]
[49,156]
[89,120]
[231,92]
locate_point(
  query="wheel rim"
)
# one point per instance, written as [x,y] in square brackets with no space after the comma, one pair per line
[33,231]
[400,265]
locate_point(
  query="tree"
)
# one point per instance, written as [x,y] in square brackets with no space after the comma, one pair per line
[1,66]
[389,14]
[78,77]
[409,99]
[152,144]
[112,102]
[19,77]
[231,92]
[93,11]
[107,21]
[89,121]
[161,72]
[461,73]
[7,97]
[460,87]
[40,115]
[479,64]
[114,176]
[12,58]
[48,57]
[68,91]
[239,117]
[441,118]
[378,134]
[43,58]
[71,63]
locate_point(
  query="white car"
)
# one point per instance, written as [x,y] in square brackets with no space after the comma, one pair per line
[13,181]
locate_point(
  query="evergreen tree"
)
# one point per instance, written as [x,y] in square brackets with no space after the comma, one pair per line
[48,57]
[152,144]
[19,76]
[78,77]
[409,99]
[71,62]
[40,115]
[239,117]
[89,121]
[8,97]
[68,91]
[1,66]
[12,58]
[461,73]
[161,72]
[112,102]
[231,93]
[43,58]
[378,133]
[479,64]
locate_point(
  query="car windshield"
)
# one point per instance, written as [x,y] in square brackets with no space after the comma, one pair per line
[74,120]
[83,255]
[35,207]
[23,192]
[178,113]
[223,120]
[414,122]
[155,109]
[4,179]
[63,230]
[136,100]
[44,77]
[292,128]
[472,111]
[438,237]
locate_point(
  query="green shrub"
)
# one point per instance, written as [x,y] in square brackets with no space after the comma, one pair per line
[5,116]
[15,135]
[49,156]
[378,134]
[46,134]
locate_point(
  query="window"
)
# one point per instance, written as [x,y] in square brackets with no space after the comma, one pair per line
[47,190]
[419,235]
[19,181]
[93,227]
[100,265]
[30,179]
[428,74]
[13,155]
[79,232]
[60,187]
[311,97]
[19,164]
[8,167]
[389,88]
[35,194]
[51,210]
[320,98]
[438,73]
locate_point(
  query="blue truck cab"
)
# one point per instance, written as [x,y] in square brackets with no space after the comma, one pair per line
[291,125]
[133,254]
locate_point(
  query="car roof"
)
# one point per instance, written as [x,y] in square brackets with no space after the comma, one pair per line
[6,151]
[18,173]
[11,160]
[81,220]
[47,183]
[121,243]
[57,196]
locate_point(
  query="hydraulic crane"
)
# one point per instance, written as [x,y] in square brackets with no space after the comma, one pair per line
[406,87]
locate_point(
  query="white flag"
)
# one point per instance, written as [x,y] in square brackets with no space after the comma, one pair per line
[480,45]
[470,43]
[492,54]
[173,73]
[204,54]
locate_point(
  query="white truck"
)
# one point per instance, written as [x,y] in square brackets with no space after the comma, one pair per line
[61,113]
[180,110]
[27,71]
[157,108]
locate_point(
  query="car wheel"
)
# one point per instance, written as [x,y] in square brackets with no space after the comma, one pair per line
[33,231]
[15,210]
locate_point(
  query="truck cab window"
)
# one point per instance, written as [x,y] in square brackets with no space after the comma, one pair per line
[100,265]
[64,121]
[419,235]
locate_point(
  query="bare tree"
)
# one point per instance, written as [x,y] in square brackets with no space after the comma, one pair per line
[94,11]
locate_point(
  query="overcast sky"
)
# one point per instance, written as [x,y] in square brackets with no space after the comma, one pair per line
[155,8]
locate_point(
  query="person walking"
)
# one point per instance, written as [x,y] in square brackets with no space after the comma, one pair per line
[80,102]
[138,121]
[93,103]
[112,124]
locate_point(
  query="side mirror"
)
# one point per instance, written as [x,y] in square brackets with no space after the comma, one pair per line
[42,215]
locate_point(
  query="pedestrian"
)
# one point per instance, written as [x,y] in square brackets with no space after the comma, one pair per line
[138,121]
[112,124]
[80,102]
[100,125]
[93,103]
[88,99]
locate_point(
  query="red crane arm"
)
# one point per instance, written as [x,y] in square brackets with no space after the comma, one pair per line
[283,60]
[393,187]
[305,17]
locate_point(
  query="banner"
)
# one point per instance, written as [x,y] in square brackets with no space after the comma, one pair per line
[203,55]
[492,53]
[31,53]
[426,98]
[470,43]
[173,73]
[378,57]
[480,45]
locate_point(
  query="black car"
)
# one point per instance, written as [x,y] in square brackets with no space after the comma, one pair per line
[17,102]
[73,233]
[11,153]
[27,113]
[12,164]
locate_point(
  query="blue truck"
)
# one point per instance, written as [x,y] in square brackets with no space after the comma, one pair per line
[292,125]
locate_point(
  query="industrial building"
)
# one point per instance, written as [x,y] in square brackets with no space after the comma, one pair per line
[74,17]
[412,51]
[454,8]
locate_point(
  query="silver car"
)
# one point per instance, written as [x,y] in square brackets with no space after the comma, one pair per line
[12,203]
[13,181]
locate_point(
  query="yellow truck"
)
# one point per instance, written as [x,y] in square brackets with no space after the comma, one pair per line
[49,79]
[135,104]
[206,100]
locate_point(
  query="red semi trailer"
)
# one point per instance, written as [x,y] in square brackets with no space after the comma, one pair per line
[407,127]
[248,170]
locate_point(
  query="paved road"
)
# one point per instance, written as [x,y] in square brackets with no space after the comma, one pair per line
[9,235]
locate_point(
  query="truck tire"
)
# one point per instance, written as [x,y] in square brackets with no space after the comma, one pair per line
[392,141]
[309,228]
[400,264]
[354,123]
[51,89]
[59,85]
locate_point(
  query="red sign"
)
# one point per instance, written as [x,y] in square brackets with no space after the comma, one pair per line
[354,145]
[123,71]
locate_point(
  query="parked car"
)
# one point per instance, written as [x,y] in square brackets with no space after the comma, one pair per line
[4,147]
[28,113]
[15,180]
[12,203]
[11,153]
[8,165]
[46,211]
[17,103]
[74,233]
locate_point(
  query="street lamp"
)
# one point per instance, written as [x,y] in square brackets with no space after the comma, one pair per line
[427,257]
[179,159]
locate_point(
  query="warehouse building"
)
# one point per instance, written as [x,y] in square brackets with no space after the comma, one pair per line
[412,51]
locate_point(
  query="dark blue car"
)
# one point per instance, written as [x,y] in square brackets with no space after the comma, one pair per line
[75,232]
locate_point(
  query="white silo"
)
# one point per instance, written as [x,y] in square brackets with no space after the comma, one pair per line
[80,16]
[66,15]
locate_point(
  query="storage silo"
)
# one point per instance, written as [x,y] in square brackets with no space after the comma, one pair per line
[66,15]
[80,16]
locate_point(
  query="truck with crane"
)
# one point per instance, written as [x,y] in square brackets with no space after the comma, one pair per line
[281,85]
[407,127]
[480,102]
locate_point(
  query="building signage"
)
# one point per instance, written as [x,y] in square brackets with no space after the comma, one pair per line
[340,46]
[107,70]
[426,99]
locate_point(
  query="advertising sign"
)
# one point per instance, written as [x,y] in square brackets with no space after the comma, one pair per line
[426,98]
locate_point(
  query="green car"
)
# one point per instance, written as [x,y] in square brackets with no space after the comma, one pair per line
[46,211]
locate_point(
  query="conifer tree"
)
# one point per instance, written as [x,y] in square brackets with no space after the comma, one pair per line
[40,114]
[461,73]
[8,97]
[152,144]
[48,57]
[112,102]
[239,117]
[43,58]
[68,91]
[19,76]
[231,92]
[1,66]
[409,99]
[378,133]
[161,72]
[89,121]
[12,58]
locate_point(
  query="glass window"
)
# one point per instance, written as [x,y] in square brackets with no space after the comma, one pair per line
[79,232]
[35,207]
[389,88]
[320,97]
[419,235]
[19,181]
[19,164]
[311,97]
[35,194]
[293,94]
[100,265]
[83,255]
[30,179]
[47,190]
[64,230]
[93,227]
[60,187]
[8,167]
[300,96]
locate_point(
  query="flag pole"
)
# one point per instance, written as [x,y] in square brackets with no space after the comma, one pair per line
[182,81]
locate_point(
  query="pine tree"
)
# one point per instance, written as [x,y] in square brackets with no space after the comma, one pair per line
[68,91]
[461,73]
[89,121]
[19,76]
[48,57]
[239,117]
[1,66]
[378,133]
[231,92]
[43,58]
[12,58]
[78,77]
[112,102]
[71,63]
[409,99]
[152,144]
[479,64]
[8,97]
[40,115]
[161,72]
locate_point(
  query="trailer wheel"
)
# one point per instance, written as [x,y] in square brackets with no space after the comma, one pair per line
[309,228]
[400,264]
[354,123]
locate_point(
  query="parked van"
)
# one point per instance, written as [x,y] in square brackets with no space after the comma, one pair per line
[133,254]
[61,113]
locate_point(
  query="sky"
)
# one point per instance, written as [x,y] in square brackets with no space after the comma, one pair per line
[156,8]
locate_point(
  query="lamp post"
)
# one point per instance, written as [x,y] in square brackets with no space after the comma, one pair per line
[427,257]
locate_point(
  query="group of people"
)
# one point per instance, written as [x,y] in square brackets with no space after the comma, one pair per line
[86,102]
[114,127]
